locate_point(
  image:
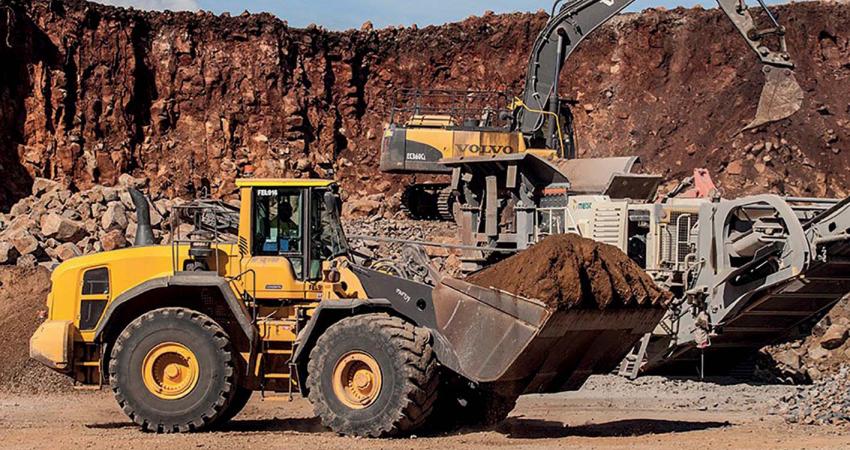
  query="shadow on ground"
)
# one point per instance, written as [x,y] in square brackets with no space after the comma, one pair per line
[299,425]
[514,428]
[522,428]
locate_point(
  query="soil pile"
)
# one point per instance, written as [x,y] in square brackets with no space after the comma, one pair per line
[23,291]
[567,271]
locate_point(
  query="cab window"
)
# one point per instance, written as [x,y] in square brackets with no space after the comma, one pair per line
[96,281]
[278,229]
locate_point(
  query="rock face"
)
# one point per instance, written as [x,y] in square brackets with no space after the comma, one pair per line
[192,101]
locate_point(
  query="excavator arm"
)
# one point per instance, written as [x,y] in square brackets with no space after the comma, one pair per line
[572,21]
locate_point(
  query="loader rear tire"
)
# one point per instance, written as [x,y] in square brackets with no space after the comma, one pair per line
[240,400]
[172,370]
[373,375]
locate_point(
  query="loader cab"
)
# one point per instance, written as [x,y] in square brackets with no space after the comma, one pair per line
[288,228]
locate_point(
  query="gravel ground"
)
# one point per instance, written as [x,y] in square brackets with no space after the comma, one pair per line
[609,413]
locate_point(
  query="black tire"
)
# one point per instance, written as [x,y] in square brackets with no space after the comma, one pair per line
[204,405]
[488,410]
[465,404]
[240,399]
[408,370]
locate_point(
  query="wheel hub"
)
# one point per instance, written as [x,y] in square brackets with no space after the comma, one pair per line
[357,380]
[170,371]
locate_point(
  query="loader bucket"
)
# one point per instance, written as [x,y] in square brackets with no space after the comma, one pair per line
[780,98]
[520,343]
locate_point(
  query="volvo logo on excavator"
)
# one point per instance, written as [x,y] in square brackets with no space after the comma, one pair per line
[484,149]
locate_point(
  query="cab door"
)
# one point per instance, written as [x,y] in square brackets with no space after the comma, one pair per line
[277,255]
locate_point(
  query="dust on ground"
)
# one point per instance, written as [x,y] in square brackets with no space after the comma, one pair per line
[609,413]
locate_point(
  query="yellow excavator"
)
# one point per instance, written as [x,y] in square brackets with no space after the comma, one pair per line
[266,297]
[430,131]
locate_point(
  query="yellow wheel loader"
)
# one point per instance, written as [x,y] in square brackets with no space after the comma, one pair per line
[266,297]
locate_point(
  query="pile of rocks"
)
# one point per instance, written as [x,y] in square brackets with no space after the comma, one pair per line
[819,353]
[825,402]
[55,224]
[398,227]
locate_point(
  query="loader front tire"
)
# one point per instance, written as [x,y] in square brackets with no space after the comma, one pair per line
[373,375]
[172,370]
[465,404]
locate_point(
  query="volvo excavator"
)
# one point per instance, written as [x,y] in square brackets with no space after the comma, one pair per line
[429,128]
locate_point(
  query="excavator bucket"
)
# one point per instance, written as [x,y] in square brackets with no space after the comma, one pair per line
[781,97]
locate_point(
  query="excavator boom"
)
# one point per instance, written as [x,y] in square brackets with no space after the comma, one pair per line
[574,20]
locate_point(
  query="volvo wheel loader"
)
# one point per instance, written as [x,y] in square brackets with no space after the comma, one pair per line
[429,128]
[266,297]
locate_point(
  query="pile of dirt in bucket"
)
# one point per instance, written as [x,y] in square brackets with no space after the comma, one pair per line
[568,271]
[23,291]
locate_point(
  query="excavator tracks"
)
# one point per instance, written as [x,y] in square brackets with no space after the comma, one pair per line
[428,201]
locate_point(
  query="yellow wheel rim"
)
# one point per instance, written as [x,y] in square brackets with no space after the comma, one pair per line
[357,380]
[170,371]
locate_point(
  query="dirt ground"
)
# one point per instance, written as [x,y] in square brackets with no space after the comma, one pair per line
[608,413]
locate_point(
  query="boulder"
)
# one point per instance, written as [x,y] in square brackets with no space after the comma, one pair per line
[20,223]
[109,194]
[361,208]
[126,180]
[23,206]
[735,168]
[41,186]
[61,228]
[127,200]
[113,240]
[818,353]
[8,253]
[115,217]
[24,242]
[835,336]
[790,360]
[28,260]
[67,251]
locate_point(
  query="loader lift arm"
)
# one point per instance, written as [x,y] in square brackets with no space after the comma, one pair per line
[570,22]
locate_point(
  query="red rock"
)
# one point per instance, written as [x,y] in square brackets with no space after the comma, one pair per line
[113,240]
[61,228]
[204,86]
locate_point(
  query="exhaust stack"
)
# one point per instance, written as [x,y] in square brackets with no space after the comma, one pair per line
[144,232]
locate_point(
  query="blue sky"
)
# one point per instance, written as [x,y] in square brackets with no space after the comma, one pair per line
[343,14]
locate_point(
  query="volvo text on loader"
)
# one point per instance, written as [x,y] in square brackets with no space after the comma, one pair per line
[266,297]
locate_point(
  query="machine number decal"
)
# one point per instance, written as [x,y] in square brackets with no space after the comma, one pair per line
[416,157]
[266,192]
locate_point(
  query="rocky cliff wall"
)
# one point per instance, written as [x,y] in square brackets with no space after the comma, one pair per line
[88,92]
